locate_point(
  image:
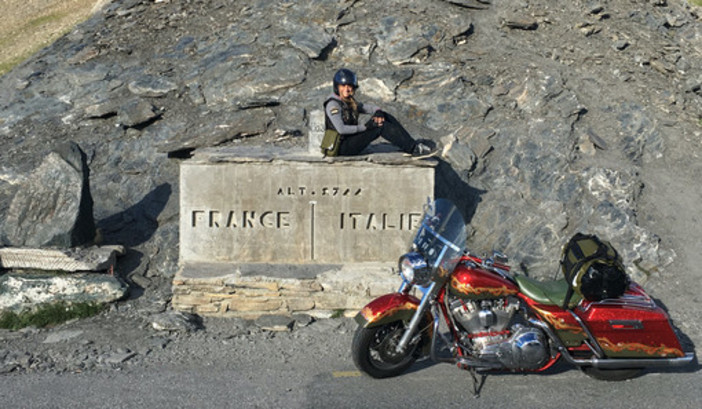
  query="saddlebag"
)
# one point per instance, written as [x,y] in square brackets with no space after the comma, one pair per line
[631,326]
[593,268]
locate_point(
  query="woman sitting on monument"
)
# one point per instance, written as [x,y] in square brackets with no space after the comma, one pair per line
[345,136]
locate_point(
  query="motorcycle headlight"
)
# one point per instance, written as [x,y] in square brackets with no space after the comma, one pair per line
[414,269]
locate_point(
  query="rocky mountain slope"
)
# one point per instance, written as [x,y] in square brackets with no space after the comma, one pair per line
[553,117]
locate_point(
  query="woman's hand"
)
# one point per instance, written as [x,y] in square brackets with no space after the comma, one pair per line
[379,118]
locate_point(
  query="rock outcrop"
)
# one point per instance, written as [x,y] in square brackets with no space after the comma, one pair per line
[546,110]
[53,206]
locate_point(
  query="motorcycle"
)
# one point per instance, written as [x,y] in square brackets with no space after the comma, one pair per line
[477,314]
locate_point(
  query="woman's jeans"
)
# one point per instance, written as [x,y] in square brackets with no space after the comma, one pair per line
[391,130]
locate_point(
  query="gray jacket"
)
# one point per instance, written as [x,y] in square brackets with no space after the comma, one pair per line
[340,116]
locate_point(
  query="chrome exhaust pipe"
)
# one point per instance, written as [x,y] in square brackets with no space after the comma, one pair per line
[638,363]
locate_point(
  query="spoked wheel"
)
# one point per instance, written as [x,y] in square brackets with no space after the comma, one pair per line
[374,350]
[613,375]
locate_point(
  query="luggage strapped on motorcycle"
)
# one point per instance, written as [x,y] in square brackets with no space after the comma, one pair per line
[593,268]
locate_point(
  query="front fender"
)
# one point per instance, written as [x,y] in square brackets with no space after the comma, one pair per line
[386,309]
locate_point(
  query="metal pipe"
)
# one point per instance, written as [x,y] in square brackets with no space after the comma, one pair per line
[593,342]
[432,351]
[641,362]
[414,322]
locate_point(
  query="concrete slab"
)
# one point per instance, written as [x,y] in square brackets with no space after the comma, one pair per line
[264,206]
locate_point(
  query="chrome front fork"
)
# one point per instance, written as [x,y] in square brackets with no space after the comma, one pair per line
[417,317]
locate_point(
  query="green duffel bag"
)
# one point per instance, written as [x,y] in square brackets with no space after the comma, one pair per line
[331,142]
[593,268]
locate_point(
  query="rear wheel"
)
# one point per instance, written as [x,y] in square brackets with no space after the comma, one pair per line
[613,375]
[374,350]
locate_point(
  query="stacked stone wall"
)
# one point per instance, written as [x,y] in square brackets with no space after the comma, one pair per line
[340,290]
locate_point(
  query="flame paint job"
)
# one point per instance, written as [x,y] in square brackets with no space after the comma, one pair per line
[635,349]
[566,327]
[388,307]
[469,281]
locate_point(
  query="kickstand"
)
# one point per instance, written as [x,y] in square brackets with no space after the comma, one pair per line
[477,384]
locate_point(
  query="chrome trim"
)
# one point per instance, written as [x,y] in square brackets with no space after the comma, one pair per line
[595,346]
[472,362]
[552,336]
[500,257]
[642,362]
[633,301]
[421,273]
[414,322]
[432,351]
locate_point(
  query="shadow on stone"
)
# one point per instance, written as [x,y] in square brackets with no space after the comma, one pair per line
[449,185]
[138,223]
[131,268]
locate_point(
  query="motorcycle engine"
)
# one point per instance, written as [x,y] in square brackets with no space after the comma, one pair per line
[493,335]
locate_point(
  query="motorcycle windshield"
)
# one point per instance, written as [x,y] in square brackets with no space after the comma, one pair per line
[441,237]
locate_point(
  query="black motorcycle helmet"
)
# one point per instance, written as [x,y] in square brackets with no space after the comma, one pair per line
[346,77]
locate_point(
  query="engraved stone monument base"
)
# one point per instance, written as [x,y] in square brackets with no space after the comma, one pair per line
[270,232]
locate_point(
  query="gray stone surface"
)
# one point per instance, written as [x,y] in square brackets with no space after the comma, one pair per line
[53,207]
[76,259]
[531,95]
[284,209]
[175,321]
[315,133]
[249,73]
[20,292]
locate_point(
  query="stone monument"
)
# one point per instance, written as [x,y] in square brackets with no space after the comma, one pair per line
[245,207]
[266,231]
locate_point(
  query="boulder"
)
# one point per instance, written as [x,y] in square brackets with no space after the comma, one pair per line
[53,206]
[21,292]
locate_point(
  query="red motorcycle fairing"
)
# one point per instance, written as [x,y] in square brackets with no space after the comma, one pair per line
[388,308]
[472,282]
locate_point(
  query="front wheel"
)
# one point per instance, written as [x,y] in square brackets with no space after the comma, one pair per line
[374,350]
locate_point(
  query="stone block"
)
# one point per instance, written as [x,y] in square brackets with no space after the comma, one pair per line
[238,207]
[76,259]
[315,133]
[253,304]
[299,303]
[22,292]
[191,299]
[207,309]
[252,292]
[335,301]
[252,283]
[300,285]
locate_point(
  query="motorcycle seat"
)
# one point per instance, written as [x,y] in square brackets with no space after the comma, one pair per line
[546,292]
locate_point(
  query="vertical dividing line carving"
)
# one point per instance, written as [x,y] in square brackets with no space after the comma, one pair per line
[312,206]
